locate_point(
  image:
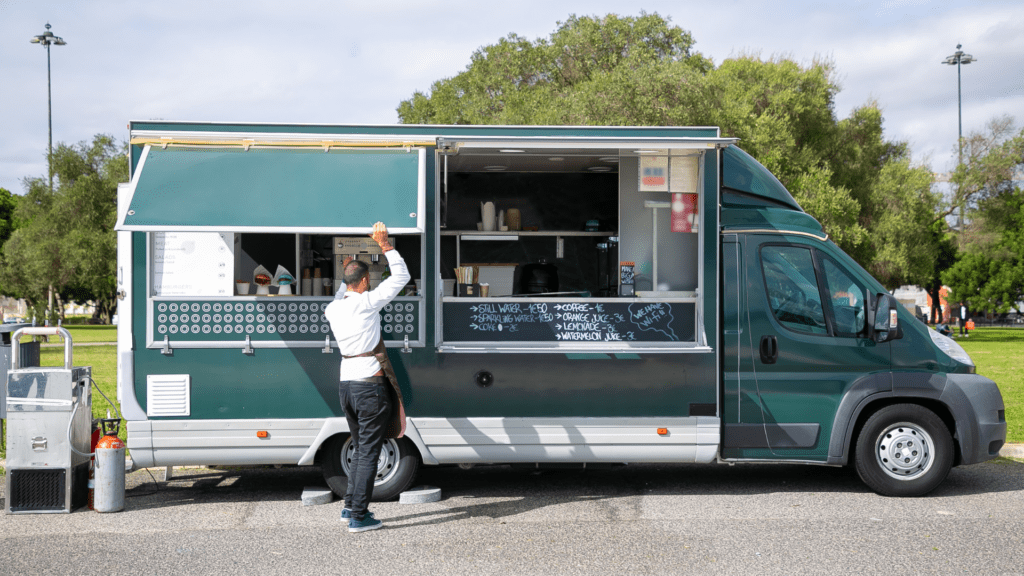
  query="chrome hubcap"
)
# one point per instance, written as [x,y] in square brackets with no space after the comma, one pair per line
[387,463]
[904,451]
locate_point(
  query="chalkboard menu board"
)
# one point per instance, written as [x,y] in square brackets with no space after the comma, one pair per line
[482,321]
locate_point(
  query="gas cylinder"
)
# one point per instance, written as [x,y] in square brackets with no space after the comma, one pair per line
[109,493]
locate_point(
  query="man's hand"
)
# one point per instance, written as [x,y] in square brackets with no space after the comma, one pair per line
[380,236]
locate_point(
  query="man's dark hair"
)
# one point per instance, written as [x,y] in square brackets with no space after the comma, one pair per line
[355,272]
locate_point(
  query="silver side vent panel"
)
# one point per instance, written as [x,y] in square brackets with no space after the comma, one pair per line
[168,395]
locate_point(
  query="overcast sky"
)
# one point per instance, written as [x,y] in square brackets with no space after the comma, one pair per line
[352,62]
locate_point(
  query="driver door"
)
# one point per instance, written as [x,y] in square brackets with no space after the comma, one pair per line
[806,342]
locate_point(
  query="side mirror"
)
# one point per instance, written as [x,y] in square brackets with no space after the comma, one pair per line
[886,323]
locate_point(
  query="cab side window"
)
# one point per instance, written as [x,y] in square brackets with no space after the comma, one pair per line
[792,287]
[847,299]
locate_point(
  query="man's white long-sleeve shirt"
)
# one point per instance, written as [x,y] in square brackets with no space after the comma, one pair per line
[355,319]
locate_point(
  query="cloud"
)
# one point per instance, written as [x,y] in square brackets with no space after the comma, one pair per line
[354,61]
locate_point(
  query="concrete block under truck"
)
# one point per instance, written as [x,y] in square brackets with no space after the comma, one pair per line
[656,295]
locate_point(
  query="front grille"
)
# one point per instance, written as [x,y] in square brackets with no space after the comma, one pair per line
[37,490]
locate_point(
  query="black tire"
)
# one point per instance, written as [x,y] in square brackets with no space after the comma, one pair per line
[903,450]
[397,466]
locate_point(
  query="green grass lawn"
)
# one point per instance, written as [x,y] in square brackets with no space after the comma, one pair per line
[89,333]
[103,360]
[999,354]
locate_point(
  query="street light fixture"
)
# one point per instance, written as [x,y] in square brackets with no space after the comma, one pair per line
[46,39]
[958,58]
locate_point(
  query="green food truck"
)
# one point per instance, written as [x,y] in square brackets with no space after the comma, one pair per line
[580,295]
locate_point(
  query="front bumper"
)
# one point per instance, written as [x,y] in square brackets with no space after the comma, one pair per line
[977,406]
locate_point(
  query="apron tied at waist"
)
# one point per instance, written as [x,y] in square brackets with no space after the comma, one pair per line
[396,427]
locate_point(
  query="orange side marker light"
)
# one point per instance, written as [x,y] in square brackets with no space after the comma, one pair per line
[662,431]
[261,434]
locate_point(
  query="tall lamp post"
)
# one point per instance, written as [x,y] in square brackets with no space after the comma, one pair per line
[958,58]
[46,39]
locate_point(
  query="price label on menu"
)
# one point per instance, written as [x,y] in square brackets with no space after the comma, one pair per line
[193,263]
[569,321]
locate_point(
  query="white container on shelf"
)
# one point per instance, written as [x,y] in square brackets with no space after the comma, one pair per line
[487,216]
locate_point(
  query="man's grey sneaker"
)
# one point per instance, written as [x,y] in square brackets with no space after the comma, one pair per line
[346,513]
[367,523]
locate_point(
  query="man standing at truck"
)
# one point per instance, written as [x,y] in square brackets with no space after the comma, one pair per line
[365,390]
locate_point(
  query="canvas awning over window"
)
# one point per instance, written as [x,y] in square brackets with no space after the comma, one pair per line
[230,189]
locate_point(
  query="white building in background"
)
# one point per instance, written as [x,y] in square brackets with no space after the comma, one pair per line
[18,308]
[76,309]
[13,308]
[915,299]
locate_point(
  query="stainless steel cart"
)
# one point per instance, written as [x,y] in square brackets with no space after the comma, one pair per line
[49,418]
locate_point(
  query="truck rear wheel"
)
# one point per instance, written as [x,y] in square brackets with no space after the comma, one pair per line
[904,450]
[396,467]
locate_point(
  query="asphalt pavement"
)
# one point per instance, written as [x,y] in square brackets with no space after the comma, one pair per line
[638,519]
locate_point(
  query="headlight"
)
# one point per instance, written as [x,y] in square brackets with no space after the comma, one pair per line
[951,348]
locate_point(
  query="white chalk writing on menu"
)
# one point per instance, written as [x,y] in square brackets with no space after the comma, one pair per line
[656,316]
[626,274]
[575,321]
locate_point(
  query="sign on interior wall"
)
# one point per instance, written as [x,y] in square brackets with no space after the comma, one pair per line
[653,174]
[683,172]
[669,173]
[684,213]
[193,264]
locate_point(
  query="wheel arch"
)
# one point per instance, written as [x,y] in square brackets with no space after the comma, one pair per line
[339,427]
[934,405]
[877,390]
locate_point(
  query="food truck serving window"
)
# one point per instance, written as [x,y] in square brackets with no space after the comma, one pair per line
[573,244]
[245,246]
[231,189]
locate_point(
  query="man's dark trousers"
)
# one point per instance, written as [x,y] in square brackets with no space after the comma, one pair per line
[367,408]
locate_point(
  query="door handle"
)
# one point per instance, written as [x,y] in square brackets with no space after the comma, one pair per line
[769,349]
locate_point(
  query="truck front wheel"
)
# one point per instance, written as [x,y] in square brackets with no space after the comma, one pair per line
[904,450]
[396,466]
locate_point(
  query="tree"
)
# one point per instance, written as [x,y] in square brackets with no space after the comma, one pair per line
[67,242]
[644,71]
[900,212]
[613,70]
[990,161]
[783,115]
[8,222]
[989,274]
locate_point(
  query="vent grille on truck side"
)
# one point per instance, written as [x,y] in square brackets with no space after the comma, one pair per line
[168,395]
